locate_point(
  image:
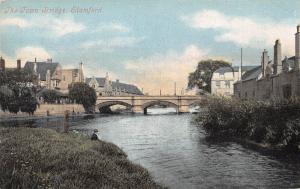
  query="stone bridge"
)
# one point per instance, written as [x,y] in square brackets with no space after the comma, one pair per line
[139,104]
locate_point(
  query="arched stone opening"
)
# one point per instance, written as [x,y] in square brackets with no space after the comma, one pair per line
[105,107]
[159,103]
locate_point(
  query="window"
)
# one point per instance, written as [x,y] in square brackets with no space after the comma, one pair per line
[218,83]
[227,84]
[287,91]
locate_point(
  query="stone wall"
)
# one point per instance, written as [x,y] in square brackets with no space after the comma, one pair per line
[280,86]
[54,109]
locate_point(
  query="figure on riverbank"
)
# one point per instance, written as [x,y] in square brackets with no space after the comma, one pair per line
[94,135]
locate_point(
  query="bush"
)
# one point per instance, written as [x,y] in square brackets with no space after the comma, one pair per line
[85,95]
[276,123]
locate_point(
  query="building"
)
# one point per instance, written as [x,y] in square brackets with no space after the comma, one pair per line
[106,87]
[70,76]
[2,64]
[223,79]
[50,75]
[279,79]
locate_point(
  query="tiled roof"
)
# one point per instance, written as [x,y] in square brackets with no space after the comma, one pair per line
[235,68]
[127,87]
[252,74]
[41,68]
[118,86]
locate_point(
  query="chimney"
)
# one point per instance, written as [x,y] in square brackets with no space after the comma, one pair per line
[34,59]
[81,75]
[19,64]
[117,80]
[49,60]
[297,48]
[2,64]
[277,57]
[264,62]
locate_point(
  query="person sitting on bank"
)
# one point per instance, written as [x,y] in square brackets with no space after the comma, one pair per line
[94,135]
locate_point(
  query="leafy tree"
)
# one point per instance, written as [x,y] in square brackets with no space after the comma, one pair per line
[202,76]
[83,94]
[28,102]
[16,91]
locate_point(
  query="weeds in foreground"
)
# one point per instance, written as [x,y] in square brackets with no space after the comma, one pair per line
[43,158]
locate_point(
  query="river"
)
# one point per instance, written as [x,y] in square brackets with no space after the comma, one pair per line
[177,154]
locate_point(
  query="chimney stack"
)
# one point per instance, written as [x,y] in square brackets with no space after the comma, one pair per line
[297,48]
[277,57]
[34,59]
[264,62]
[19,64]
[2,64]
[117,80]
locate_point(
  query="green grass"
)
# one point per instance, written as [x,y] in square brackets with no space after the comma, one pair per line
[43,158]
[276,124]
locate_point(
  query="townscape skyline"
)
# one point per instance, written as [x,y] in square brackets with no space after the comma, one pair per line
[145,43]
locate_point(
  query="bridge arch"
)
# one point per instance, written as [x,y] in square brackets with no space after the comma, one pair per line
[107,104]
[159,102]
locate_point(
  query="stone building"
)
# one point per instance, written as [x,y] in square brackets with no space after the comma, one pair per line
[272,80]
[223,79]
[105,87]
[50,75]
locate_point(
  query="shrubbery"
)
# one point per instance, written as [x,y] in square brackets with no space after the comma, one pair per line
[275,123]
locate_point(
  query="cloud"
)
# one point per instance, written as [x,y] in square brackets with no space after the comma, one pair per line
[9,61]
[31,52]
[243,31]
[27,53]
[112,27]
[162,70]
[57,26]
[109,45]
[19,22]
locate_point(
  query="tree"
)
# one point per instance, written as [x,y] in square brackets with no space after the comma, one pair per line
[202,76]
[16,91]
[28,102]
[83,94]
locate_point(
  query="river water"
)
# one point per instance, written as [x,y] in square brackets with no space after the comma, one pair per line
[177,154]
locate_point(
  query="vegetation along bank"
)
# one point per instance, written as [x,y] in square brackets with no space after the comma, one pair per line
[43,158]
[271,124]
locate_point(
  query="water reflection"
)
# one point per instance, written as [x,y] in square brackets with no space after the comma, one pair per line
[178,155]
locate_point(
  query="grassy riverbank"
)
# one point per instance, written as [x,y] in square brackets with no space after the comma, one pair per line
[43,158]
[274,124]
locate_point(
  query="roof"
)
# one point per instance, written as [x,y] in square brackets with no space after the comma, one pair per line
[252,74]
[127,87]
[223,70]
[41,68]
[100,81]
[117,85]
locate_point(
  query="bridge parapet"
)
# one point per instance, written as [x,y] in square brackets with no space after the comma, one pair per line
[139,104]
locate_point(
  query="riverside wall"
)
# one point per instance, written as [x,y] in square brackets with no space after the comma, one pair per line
[53,109]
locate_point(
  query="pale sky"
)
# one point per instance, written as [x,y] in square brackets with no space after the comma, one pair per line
[148,43]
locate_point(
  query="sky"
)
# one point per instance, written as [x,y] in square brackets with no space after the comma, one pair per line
[149,43]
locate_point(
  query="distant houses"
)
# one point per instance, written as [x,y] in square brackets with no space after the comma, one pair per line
[277,79]
[51,75]
[105,87]
[223,79]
